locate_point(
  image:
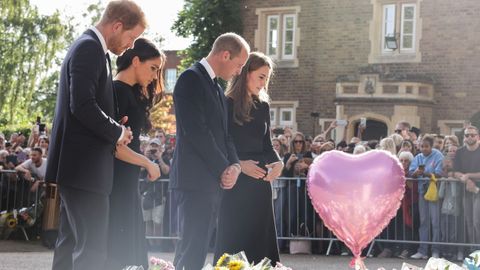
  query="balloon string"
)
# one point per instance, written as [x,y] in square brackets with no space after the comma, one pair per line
[357,263]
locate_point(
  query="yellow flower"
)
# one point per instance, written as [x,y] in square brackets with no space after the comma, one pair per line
[235,265]
[222,259]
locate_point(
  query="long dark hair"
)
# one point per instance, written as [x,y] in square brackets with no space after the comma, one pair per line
[237,88]
[147,97]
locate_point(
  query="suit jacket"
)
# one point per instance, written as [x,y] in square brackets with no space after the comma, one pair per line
[204,148]
[84,134]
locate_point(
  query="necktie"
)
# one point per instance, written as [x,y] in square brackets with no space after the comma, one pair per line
[219,93]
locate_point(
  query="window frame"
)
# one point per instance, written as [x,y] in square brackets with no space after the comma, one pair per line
[284,35]
[283,122]
[414,22]
[273,56]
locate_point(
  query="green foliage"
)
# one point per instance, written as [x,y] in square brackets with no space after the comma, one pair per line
[9,129]
[205,21]
[30,44]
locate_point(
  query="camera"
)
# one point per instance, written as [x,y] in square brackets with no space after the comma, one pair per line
[41,127]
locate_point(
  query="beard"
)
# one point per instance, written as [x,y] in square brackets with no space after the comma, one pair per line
[116,46]
[471,143]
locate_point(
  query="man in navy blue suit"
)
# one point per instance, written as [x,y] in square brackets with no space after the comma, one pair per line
[205,160]
[85,137]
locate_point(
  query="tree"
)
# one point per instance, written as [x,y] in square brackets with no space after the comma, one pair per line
[30,44]
[205,21]
[162,115]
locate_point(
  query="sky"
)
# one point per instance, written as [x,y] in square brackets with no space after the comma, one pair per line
[160,16]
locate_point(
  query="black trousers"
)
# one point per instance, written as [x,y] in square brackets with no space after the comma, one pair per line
[82,234]
[198,216]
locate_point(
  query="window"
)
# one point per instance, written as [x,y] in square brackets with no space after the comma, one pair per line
[272,36]
[273,117]
[283,114]
[396,32]
[277,34]
[170,78]
[288,36]
[286,117]
[403,29]
[407,33]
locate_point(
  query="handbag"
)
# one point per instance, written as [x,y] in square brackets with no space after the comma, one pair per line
[301,246]
[432,194]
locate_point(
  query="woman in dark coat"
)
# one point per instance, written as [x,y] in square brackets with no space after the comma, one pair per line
[246,220]
[136,86]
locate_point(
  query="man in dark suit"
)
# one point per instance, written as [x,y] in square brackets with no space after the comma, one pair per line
[84,136]
[205,160]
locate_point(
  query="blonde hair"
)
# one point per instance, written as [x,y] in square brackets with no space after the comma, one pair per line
[388,144]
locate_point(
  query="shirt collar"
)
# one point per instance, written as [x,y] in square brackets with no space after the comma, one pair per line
[209,69]
[101,38]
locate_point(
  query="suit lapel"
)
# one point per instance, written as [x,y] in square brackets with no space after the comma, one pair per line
[213,93]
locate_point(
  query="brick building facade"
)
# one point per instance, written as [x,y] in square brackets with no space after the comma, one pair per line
[385,60]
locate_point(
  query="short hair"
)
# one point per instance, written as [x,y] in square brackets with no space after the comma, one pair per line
[359,149]
[125,11]
[405,154]
[230,42]
[472,127]
[405,124]
[38,149]
[429,139]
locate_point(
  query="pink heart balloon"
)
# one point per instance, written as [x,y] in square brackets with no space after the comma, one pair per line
[356,195]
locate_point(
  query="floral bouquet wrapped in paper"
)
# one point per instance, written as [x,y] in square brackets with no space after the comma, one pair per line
[159,264]
[240,262]
[472,262]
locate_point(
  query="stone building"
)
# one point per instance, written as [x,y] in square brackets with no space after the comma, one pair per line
[385,60]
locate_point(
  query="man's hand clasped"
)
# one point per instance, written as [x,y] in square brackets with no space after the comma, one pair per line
[229,176]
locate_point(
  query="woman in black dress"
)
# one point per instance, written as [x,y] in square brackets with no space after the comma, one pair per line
[136,85]
[246,221]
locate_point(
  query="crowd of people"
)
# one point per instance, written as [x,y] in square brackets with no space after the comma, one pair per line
[453,218]
[225,169]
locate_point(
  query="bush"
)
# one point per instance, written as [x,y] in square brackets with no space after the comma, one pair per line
[7,130]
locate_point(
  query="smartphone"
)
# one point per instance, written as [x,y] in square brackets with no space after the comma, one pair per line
[363,122]
[13,159]
[341,122]
[41,128]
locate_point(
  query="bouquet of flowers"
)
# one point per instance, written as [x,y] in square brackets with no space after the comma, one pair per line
[159,264]
[240,262]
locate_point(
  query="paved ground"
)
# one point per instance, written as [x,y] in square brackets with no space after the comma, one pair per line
[31,255]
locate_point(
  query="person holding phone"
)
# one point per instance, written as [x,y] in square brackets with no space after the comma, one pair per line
[429,162]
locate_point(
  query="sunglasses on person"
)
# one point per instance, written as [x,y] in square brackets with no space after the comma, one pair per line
[398,131]
[298,141]
[470,135]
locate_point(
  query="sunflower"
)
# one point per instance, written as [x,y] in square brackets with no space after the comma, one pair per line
[222,259]
[235,265]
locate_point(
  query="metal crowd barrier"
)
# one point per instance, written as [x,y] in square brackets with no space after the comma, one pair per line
[20,206]
[297,220]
